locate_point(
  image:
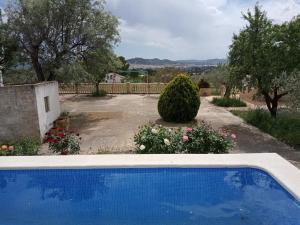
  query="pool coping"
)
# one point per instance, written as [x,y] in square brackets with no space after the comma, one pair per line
[280,169]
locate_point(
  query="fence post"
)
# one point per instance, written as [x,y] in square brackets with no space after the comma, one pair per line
[128,87]
[76,89]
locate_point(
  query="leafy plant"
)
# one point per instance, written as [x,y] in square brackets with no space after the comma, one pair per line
[179,101]
[99,93]
[63,141]
[228,102]
[203,84]
[285,128]
[153,139]
[26,146]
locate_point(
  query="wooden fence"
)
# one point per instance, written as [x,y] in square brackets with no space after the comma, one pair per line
[116,88]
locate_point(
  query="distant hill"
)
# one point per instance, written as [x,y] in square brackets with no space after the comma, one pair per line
[136,62]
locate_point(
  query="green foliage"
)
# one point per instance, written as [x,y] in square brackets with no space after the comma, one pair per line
[26,146]
[8,46]
[63,141]
[263,56]
[285,128]
[228,102]
[203,84]
[124,64]
[153,139]
[100,62]
[99,93]
[51,33]
[179,101]
[73,73]
[163,75]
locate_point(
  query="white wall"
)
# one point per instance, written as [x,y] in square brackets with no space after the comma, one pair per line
[46,119]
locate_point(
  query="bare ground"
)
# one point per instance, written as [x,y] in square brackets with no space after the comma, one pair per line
[108,124]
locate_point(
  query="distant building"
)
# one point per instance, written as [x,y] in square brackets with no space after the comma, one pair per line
[113,78]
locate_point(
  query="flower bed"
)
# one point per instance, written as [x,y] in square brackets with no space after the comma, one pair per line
[63,141]
[155,139]
[26,146]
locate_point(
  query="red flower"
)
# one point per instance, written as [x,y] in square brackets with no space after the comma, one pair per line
[65,152]
[61,135]
[50,140]
[60,129]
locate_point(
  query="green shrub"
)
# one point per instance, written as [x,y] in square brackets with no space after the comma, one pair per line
[153,139]
[203,84]
[99,93]
[179,101]
[26,146]
[228,102]
[285,127]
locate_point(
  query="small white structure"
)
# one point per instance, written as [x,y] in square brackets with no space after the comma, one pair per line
[28,110]
[113,78]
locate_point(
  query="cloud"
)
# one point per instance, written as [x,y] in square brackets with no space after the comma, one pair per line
[185,29]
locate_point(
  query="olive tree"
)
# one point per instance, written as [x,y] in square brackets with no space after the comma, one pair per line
[54,32]
[99,63]
[262,57]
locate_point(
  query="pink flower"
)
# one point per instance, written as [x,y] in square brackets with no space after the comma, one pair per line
[185,138]
[189,129]
[233,136]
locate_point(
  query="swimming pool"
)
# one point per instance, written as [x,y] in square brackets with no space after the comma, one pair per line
[132,196]
[177,194]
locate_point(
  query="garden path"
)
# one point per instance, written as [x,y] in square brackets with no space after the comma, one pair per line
[108,124]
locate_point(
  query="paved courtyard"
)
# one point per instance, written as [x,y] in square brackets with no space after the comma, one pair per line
[108,124]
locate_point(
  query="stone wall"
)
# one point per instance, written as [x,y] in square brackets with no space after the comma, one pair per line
[22,110]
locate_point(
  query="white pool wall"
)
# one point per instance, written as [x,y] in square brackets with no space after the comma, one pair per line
[280,169]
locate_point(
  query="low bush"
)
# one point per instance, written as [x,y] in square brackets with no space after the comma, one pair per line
[203,84]
[26,146]
[63,141]
[179,101]
[228,102]
[153,139]
[100,93]
[285,127]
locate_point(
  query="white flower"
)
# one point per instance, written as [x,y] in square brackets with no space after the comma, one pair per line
[169,130]
[142,147]
[154,131]
[166,141]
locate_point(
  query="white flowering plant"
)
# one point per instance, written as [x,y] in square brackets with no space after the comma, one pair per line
[154,139]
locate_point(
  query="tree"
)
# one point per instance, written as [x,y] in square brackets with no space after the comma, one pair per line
[100,62]
[220,76]
[8,47]
[259,58]
[125,65]
[54,32]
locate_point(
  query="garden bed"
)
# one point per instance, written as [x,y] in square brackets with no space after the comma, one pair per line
[286,127]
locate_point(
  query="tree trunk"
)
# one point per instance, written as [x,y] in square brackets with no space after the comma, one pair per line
[51,76]
[37,66]
[227,91]
[97,88]
[272,103]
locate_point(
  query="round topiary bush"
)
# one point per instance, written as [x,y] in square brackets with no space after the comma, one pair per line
[179,101]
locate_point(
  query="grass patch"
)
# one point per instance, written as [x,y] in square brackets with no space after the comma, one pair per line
[100,93]
[228,102]
[26,146]
[286,127]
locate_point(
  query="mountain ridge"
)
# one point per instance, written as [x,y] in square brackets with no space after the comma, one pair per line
[164,62]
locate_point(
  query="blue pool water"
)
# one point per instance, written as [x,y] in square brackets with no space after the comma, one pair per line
[156,196]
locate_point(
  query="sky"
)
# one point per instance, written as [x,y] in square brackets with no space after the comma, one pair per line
[186,29]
